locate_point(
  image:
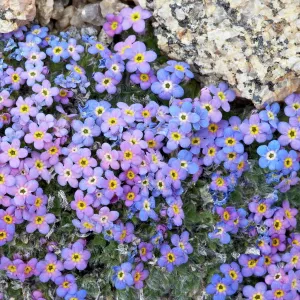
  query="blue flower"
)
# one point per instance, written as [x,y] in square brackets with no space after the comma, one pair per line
[230,141]
[269,156]
[167,86]
[270,114]
[220,287]
[221,233]
[289,161]
[57,51]
[122,276]
[145,206]
[180,69]
[79,295]
[184,117]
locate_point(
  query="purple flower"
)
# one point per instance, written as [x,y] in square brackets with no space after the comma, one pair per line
[275,273]
[33,74]
[220,287]
[279,291]
[139,58]
[66,284]
[145,251]
[205,102]
[124,234]
[45,92]
[292,260]
[219,183]
[108,157]
[255,130]
[5,101]
[105,82]
[277,225]
[286,183]
[261,209]
[122,276]
[91,181]
[289,135]
[22,189]
[38,135]
[289,213]
[113,123]
[82,204]
[252,265]
[145,80]
[14,78]
[7,232]
[85,131]
[222,95]
[139,275]
[39,222]
[134,17]
[232,272]
[74,50]
[167,86]
[113,25]
[105,219]
[170,257]
[175,212]
[293,105]
[182,242]
[122,46]
[75,257]
[67,173]
[49,268]
[11,267]
[257,292]
[12,153]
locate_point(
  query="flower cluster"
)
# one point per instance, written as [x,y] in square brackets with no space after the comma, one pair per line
[275,257]
[118,170]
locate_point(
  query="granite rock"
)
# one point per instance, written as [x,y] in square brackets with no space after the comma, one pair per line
[91,14]
[111,6]
[44,10]
[15,13]
[252,44]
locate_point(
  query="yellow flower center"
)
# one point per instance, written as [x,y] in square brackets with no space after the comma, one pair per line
[39,135]
[170,257]
[24,109]
[144,77]
[222,96]
[3,235]
[112,184]
[221,288]
[50,268]
[12,152]
[179,68]
[76,257]
[135,16]
[15,78]
[39,220]
[292,133]
[254,130]
[139,58]
[176,136]
[213,128]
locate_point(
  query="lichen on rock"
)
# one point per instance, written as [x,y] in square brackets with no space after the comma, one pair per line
[254,45]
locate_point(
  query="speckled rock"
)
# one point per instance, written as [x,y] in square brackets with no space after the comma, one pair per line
[252,44]
[58,10]
[44,10]
[15,13]
[91,14]
[111,6]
